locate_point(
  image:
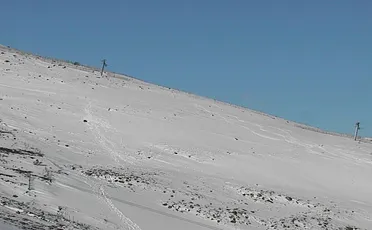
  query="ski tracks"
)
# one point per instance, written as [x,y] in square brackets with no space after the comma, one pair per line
[282,135]
[210,112]
[94,125]
[285,135]
[98,188]
[27,89]
[130,225]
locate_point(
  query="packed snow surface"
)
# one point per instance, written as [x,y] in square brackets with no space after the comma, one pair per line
[83,151]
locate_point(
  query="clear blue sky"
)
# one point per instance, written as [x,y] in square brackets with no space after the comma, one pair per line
[308,61]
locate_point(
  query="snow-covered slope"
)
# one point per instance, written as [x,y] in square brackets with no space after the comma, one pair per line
[113,152]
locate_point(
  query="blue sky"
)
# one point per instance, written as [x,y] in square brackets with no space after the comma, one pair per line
[308,61]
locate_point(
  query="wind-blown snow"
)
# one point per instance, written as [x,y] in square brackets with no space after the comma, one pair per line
[113,152]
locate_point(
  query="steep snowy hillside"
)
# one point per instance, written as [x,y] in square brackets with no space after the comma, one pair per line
[113,152]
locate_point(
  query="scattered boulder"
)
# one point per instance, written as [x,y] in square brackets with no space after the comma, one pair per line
[37,162]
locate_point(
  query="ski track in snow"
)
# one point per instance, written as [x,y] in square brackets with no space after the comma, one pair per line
[94,125]
[260,135]
[97,188]
[206,110]
[128,223]
[31,90]
[287,137]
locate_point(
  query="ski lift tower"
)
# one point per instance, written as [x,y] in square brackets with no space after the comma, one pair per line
[357,128]
[104,64]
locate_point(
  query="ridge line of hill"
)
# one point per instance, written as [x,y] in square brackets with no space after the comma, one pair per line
[127,77]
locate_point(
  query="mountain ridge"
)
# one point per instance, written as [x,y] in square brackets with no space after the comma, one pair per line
[129,77]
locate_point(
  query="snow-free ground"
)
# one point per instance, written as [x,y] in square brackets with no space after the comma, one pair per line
[113,152]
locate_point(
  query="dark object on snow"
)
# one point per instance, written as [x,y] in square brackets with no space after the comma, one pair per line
[104,64]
